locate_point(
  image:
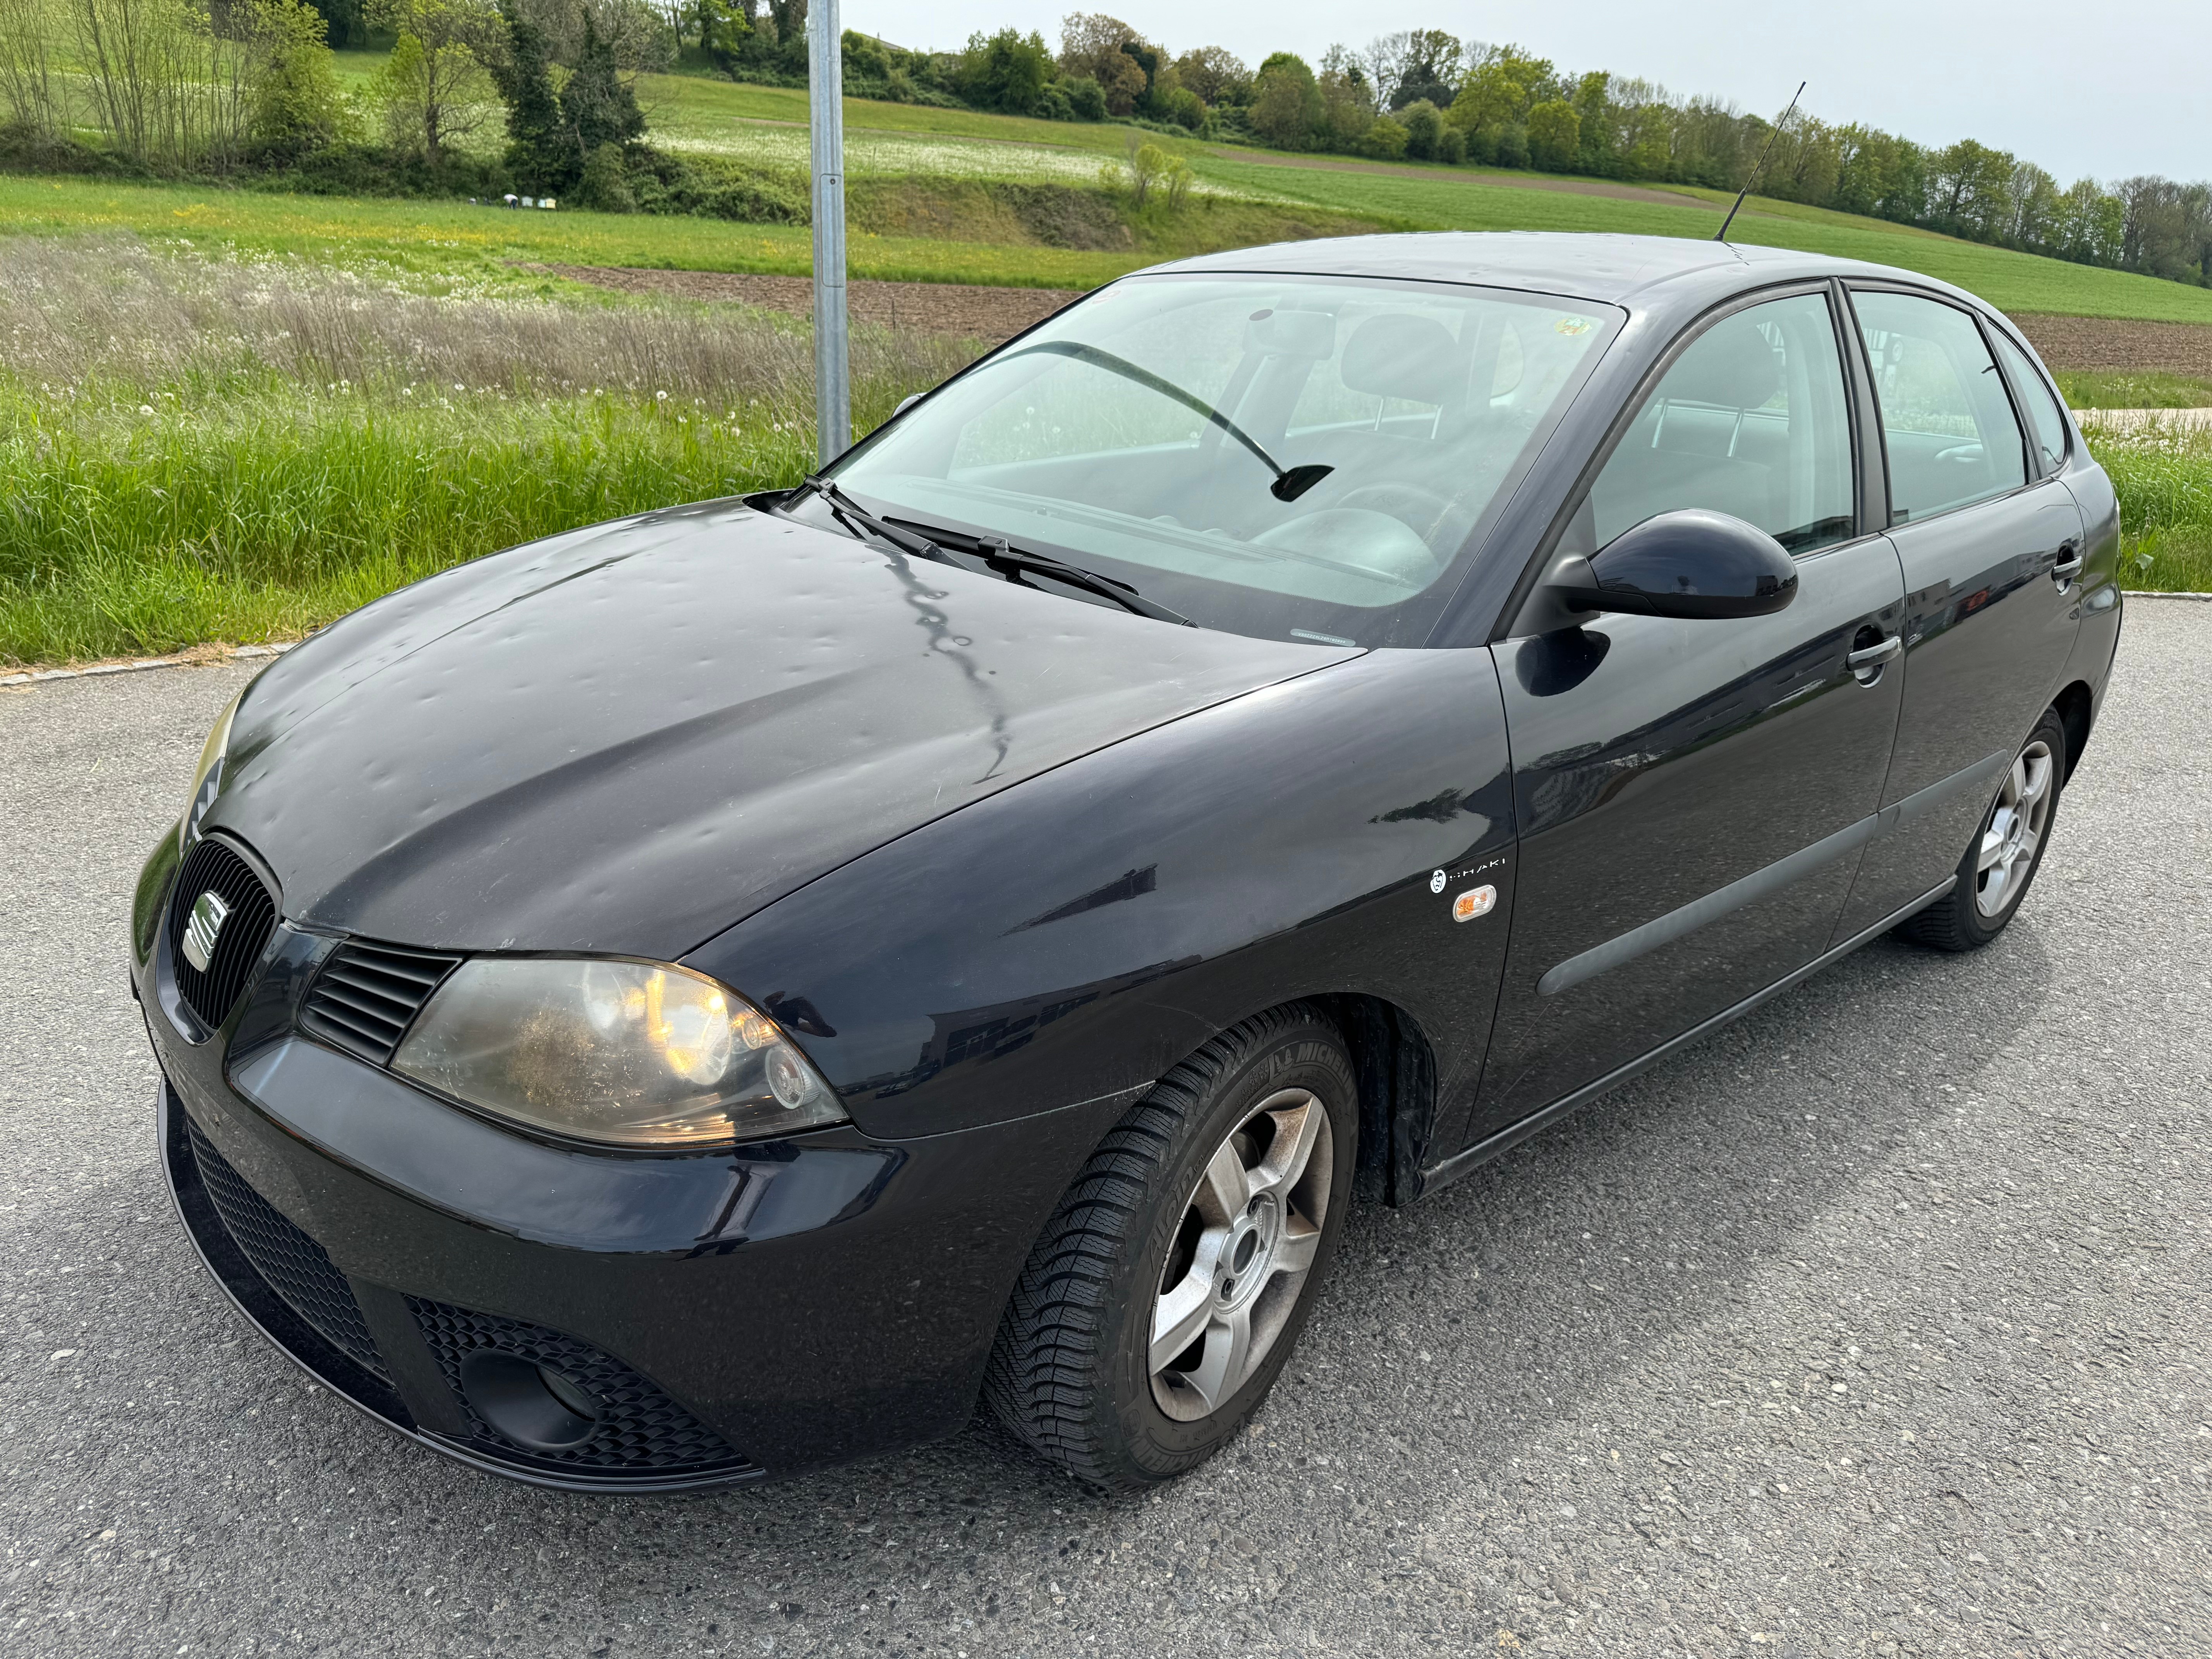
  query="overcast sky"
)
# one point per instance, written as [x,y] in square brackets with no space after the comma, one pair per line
[2103,86]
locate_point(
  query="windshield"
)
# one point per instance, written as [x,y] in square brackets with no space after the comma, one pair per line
[1291,458]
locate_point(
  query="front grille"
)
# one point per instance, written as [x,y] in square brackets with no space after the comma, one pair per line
[214,867]
[292,1264]
[641,1430]
[367,995]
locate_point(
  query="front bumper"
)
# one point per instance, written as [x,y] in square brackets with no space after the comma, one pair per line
[764,1310]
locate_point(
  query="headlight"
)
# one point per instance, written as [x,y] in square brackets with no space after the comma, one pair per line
[631,1054]
[209,778]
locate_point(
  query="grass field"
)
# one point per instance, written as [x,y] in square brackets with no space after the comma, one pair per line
[454,240]
[232,414]
[767,125]
[197,450]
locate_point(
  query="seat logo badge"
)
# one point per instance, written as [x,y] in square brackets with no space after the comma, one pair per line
[1475,902]
[202,928]
[1437,882]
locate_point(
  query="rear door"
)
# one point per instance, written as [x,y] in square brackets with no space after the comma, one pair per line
[1989,539]
[1692,796]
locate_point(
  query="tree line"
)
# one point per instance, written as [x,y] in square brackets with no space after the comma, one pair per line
[221,86]
[1425,95]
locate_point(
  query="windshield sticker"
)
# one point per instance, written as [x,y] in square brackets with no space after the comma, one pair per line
[1573,325]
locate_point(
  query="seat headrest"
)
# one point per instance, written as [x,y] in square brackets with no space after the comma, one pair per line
[1406,356]
[1730,365]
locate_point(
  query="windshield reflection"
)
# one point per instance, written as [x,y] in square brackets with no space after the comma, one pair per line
[1293,458]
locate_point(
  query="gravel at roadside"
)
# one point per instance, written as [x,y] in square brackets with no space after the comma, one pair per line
[1878,1325]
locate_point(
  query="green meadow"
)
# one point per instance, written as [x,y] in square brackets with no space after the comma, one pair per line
[232,414]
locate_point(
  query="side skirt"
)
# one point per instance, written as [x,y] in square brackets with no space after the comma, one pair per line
[1544,1116]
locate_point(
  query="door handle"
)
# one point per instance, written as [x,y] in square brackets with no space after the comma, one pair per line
[2070,561]
[1872,657]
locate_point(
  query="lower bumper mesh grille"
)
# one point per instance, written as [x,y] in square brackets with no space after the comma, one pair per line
[640,1430]
[293,1265]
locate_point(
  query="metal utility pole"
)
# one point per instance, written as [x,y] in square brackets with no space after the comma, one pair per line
[825,98]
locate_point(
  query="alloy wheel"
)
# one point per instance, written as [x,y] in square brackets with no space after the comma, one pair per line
[2014,830]
[1249,1235]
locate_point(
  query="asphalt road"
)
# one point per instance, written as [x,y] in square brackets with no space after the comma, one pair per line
[1878,1325]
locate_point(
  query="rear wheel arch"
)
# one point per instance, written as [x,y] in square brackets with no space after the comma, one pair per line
[2074,708]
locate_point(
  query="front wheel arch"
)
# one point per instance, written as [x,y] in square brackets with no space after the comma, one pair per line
[1396,1068]
[1065,1374]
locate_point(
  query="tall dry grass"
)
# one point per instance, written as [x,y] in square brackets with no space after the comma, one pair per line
[75,312]
[208,449]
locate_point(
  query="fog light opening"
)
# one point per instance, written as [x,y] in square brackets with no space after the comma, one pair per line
[535,1407]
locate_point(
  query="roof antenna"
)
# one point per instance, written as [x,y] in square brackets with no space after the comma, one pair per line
[1721,235]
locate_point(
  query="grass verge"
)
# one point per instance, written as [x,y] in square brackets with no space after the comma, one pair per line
[2164,478]
[199,451]
[2100,388]
[135,530]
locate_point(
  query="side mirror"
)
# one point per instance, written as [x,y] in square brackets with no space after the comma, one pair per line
[1693,564]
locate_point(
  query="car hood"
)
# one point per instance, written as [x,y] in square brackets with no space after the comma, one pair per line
[626,738]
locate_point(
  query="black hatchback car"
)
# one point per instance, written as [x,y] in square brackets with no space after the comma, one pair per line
[721,992]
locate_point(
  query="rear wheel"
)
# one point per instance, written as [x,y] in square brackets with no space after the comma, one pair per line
[2006,851]
[1166,1293]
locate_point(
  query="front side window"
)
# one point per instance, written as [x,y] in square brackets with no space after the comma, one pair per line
[1145,434]
[1946,422]
[1752,420]
[2043,416]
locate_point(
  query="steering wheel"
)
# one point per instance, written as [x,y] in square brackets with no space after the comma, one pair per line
[1420,510]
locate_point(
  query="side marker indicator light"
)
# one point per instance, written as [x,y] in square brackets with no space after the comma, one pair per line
[1476,901]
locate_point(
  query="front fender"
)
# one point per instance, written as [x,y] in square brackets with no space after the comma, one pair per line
[1075,936]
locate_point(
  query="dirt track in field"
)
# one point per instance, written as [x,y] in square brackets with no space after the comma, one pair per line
[997,313]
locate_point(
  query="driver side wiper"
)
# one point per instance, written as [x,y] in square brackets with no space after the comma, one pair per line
[1007,559]
[1291,482]
[850,513]
[1001,559]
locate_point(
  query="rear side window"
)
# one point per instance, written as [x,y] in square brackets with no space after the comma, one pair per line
[1946,420]
[1750,421]
[2042,415]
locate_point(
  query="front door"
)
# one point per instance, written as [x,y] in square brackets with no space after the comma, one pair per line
[1692,797]
[1992,605]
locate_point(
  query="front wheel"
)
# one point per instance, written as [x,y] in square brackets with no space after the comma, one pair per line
[2006,851]
[1166,1292]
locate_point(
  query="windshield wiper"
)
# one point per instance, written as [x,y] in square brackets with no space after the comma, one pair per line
[1001,559]
[849,514]
[1008,560]
[1291,482]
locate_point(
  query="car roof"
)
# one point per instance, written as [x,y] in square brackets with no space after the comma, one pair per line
[1638,272]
